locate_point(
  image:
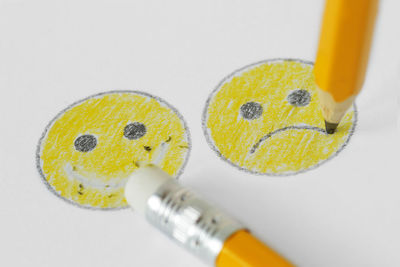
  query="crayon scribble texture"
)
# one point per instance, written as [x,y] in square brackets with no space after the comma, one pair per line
[96,178]
[277,136]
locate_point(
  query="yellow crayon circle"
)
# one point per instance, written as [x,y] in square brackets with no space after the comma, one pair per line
[265,119]
[88,150]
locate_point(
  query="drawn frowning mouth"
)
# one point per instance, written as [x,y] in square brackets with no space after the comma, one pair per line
[294,127]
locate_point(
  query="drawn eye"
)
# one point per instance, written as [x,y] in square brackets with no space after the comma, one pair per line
[251,110]
[299,98]
[134,130]
[85,143]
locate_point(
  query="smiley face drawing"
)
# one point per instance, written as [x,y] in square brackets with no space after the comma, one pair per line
[265,119]
[89,149]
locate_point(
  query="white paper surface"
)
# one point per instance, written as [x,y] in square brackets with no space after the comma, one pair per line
[52,53]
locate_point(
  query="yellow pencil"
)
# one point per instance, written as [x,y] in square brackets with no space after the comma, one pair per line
[342,56]
[200,227]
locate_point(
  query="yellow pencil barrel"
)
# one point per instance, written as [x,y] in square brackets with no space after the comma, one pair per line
[344,46]
[244,250]
[215,237]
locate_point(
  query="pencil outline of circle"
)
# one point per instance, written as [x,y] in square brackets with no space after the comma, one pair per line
[299,98]
[251,110]
[134,130]
[238,72]
[74,104]
[85,143]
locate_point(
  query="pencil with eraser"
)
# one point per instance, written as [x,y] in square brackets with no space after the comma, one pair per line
[200,227]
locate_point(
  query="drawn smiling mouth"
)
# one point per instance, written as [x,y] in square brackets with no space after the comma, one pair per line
[93,182]
[293,127]
[115,183]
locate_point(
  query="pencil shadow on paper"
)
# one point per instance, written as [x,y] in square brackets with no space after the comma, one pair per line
[381,111]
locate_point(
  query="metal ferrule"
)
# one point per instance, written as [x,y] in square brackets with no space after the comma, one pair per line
[193,223]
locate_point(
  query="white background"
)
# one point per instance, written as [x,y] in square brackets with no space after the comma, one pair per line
[52,53]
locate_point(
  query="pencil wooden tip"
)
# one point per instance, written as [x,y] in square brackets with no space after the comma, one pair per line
[330,127]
